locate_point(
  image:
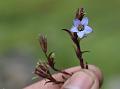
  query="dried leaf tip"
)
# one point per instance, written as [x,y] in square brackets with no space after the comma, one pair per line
[43,42]
[80,14]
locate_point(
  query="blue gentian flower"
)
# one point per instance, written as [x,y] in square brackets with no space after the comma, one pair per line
[81,27]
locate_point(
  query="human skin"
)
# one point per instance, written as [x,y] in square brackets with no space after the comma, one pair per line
[81,79]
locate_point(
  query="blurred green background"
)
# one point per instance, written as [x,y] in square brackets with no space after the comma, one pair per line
[21,21]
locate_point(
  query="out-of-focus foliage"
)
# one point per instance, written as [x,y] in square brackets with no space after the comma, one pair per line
[22,20]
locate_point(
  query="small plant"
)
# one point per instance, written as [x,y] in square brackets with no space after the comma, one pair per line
[79,30]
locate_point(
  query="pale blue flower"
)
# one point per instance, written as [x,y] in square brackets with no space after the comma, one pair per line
[81,27]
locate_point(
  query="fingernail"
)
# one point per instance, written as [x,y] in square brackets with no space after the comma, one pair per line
[79,80]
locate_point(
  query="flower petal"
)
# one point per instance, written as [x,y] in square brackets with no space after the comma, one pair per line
[74,29]
[81,34]
[76,22]
[87,30]
[84,21]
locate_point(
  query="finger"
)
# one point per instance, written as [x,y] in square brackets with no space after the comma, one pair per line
[40,84]
[97,72]
[84,79]
[96,84]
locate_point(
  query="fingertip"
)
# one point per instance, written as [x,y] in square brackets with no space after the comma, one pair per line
[92,68]
[80,80]
[97,72]
[92,74]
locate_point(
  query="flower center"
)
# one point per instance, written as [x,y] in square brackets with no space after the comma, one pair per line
[80,27]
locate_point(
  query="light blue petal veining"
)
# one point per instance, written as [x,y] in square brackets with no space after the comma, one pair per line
[74,29]
[87,30]
[76,22]
[84,21]
[81,34]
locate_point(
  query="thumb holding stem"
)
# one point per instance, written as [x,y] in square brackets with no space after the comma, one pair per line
[84,79]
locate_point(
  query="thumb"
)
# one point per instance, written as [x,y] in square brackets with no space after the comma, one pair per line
[84,79]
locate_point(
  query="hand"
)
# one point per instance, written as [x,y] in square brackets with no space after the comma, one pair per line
[81,79]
